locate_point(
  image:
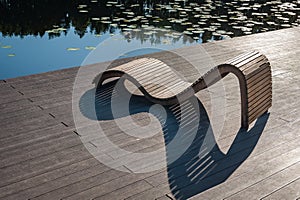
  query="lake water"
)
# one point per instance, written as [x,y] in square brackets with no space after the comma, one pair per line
[41,36]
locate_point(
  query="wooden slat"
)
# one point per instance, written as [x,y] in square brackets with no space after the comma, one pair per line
[251,63]
[262,70]
[242,57]
[260,94]
[247,59]
[259,101]
[164,75]
[261,65]
[260,110]
[136,68]
[258,87]
[146,71]
[259,79]
[136,63]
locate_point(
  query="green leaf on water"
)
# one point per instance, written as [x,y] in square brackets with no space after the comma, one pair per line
[82,6]
[6,46]
[90,48]
[73,49]
[105,22]
[11,55]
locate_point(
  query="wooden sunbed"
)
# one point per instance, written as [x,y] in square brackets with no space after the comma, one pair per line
[160,84]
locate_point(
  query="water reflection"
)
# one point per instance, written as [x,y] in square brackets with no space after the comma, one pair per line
[204,19]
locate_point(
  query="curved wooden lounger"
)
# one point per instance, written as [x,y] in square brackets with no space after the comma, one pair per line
[160,84]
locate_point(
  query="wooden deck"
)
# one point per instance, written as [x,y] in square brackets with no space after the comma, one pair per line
[42,156]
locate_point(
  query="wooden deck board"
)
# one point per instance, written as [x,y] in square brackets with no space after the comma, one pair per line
[289,191]
[41,158]
[270,184]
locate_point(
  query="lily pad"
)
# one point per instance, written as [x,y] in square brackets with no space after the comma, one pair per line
[136,30]
[73,49]
[127,29]
[216,34]
[83,11]
[81,6]
[105,18]
[198,31]
[90,48]
[187,32]
[95,18]
[106,22]
[11,55]
[6,47]
[148,33]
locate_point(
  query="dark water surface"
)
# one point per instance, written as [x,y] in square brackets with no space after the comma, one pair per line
[45,35]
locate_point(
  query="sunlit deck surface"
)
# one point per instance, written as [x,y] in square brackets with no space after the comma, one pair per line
[42,156]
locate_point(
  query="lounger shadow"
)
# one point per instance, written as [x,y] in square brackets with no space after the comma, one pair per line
[198,168]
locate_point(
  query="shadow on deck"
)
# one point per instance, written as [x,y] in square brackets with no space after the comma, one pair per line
[195,162]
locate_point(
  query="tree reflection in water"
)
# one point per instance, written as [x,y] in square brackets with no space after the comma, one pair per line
[202,20]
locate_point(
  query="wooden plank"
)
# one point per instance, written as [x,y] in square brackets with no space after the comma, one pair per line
[31,137]
[270,184]
[9,116]
[153,193]
[34,167]
[42,181]
[10,129]
[39,149]
[65,185]
[108,187]
[15,106]
[289,191]
[70,72]
[127,191]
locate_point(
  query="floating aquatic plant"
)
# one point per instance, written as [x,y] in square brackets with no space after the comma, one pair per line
[73,49]
[6,46]
[90,48]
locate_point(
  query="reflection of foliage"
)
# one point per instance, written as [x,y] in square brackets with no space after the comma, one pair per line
[198,18]
[32,17]
[157,36]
